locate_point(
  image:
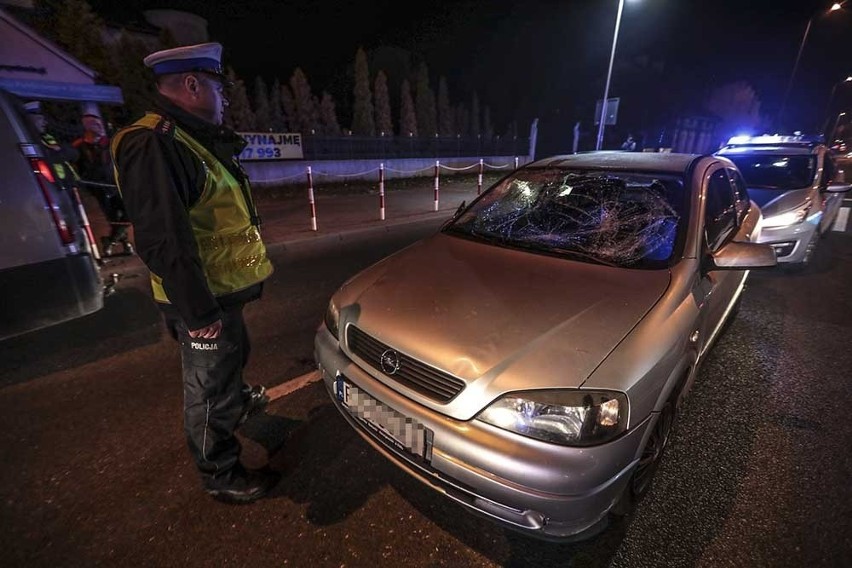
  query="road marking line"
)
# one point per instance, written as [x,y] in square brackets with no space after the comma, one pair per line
[842,219]
[292,385]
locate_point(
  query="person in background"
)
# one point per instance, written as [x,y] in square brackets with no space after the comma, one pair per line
[198,232]
[629,144]
[94,165]
[60,156]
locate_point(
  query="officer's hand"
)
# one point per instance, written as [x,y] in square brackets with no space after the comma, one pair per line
[211,331]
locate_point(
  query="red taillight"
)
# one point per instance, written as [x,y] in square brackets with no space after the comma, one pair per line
[44,170]
[43,174]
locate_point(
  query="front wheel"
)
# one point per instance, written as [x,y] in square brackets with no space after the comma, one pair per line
[809,252]
[652,455]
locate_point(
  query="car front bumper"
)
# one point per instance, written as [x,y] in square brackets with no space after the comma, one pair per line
[549,491]
[791,242]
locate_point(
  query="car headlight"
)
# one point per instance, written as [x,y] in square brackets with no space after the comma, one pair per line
[565,417]
[332,318]
[793,217]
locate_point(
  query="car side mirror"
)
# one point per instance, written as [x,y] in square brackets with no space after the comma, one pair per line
[742,256]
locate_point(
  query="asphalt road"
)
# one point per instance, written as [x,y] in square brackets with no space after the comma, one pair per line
[97,472]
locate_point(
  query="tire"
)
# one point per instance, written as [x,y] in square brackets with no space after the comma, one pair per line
[652,454]
[802,265]
[809,252]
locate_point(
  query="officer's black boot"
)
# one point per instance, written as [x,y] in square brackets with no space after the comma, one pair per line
[240,485]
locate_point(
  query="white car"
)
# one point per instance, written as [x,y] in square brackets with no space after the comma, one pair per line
[794,181]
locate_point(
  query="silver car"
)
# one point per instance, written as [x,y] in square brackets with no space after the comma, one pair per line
[528,360]
[47,272]
[794,181]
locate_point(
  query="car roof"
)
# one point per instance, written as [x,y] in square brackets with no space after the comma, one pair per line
[656,162]
[773,144]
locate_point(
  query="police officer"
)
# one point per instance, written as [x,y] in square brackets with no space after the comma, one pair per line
[61,158]
[197,230]
[94,166]
[59,155]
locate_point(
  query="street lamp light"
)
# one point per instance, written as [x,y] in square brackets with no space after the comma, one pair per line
[609,76]
[834,7]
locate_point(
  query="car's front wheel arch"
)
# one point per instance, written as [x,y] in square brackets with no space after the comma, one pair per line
[653,449]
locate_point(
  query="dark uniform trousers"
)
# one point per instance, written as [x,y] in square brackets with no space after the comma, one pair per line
[214,394]
[112,207]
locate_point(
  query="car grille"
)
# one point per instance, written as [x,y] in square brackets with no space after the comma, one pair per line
[435,384]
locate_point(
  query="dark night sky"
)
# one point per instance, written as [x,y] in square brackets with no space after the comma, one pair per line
[545,59]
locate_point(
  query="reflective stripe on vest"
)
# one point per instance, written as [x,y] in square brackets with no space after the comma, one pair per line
[232,253]
[59,167]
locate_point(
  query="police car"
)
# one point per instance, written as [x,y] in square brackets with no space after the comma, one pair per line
[794,181]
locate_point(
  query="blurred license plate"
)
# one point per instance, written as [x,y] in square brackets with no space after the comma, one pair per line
[399,431]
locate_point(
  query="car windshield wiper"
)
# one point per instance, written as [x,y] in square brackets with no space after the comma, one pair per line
[538,247]
[465,231]
[583,256]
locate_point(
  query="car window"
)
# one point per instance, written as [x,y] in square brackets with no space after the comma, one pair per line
[720,209]
[743,203]
[609,217]
[773,171]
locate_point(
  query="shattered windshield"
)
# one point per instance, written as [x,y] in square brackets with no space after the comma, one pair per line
[613,218]
[776,172]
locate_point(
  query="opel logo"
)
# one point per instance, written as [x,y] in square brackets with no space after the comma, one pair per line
[389,361]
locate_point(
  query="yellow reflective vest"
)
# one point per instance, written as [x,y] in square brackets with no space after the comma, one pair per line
[63,169]
[232,253]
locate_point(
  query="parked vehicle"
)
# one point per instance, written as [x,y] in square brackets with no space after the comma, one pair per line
[528,360]
[47,273]
[795,182]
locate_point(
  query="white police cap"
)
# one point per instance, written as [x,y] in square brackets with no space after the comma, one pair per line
[33,107]
[205,57]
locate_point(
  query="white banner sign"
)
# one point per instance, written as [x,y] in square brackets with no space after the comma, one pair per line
[271,146]
[611,111]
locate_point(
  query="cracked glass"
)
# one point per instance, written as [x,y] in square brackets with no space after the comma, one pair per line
[606,217]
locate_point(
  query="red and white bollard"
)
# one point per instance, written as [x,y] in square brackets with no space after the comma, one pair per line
[382,192]
[479,182]
[311,200]
[437,168]
[84,220]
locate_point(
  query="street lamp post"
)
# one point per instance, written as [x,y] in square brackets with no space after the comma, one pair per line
[834,7]
[830,135]
[834,128]
[609,76]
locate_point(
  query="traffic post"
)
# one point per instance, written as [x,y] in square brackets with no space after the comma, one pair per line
[437,168]
[311,200]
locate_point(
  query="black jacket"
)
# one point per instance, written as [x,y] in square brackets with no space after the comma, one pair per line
[160,179]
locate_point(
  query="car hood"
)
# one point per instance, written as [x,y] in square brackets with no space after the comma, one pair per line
[773,201]
[497,318]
